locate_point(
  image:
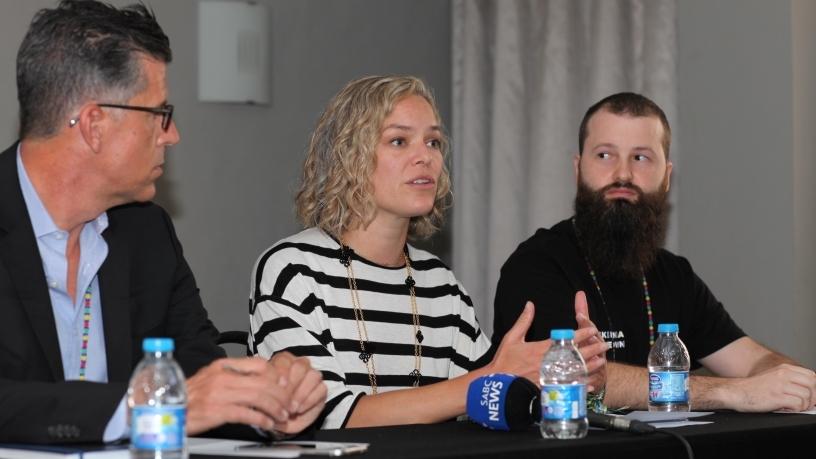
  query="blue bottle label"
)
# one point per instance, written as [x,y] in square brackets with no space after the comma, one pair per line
[669,387]
[157,428]
[563,402]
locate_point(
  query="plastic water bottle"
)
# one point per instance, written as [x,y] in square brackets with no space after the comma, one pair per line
[563,378]
[668,371]
[157,403]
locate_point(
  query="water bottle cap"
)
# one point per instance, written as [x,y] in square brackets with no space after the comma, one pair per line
[158,345]
[668,328]
[562,333]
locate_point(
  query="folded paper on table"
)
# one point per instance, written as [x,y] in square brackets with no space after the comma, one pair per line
[810,411]
[668,419]
[670,424]
[661,416]
[94,451]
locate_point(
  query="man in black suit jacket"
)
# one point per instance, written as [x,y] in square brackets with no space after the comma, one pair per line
[94,126]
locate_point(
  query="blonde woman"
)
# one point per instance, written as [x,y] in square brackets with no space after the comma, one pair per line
[388,325]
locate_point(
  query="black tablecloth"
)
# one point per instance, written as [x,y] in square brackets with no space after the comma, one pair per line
[763,436]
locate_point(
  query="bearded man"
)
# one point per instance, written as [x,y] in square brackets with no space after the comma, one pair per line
[611,249]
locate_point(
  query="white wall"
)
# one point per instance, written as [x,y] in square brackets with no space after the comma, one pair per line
[14,19]
[232,177]
[229,183]
[746,181]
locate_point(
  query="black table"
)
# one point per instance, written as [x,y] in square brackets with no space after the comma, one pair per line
[763,436]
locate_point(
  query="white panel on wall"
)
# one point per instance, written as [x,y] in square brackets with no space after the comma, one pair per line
[233,43]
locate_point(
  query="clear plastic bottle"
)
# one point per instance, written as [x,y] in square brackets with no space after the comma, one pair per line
[668,371]
[563,379]
[157,404]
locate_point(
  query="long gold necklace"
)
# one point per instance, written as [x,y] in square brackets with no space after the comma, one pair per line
[366,353]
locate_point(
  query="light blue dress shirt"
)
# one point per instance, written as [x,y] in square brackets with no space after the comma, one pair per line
[68,312]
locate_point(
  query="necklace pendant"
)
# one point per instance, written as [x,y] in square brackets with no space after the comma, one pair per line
[416,375]
[410,282]
[365,356]
[419,336]
[345,255]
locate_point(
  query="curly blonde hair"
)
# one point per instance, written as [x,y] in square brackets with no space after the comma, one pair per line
[336,193]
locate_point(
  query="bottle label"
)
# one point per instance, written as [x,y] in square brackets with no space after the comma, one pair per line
[563,402]
[669,387]
[157,428]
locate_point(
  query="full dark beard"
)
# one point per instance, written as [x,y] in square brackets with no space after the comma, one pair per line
[620,239]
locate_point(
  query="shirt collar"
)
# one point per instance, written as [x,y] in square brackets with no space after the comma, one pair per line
[41,220]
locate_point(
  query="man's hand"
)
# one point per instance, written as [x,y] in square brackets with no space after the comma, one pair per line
[784,387]
[594,355]
[307,394]
[284,394]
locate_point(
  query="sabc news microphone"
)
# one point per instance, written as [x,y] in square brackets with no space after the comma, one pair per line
[501,401]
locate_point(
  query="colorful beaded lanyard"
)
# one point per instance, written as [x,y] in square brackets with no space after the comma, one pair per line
[86,326]
[647,298]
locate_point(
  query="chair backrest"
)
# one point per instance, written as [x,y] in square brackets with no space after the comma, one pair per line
[234,337]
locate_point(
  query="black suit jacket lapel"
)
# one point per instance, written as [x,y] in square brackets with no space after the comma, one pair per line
[19,252]
[114,284]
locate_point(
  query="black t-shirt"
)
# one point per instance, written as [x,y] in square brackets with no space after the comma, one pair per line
[549,268]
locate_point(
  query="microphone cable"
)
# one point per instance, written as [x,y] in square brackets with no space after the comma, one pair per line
[612,422]
[682,440]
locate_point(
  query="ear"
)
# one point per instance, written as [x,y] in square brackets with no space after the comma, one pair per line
[576,164]
[669,167]
[91,124]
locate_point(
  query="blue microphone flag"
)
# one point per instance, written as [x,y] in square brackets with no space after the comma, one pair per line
[487,399]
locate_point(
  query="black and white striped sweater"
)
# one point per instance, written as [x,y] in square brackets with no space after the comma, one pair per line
[300,302]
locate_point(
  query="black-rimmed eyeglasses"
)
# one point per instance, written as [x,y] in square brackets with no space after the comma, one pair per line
[166,112]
